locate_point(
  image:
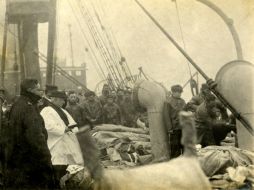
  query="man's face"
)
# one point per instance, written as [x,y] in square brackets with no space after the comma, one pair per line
[106,90]
[176,94]
[206,91]
[90,98]
[215,112]
[127,96]
[36,90]
[73,98]
[58,101]
[120,94]
[113,93]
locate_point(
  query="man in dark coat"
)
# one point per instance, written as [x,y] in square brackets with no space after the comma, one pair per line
[172,107]
[175,99]
[75,110]
[105,93]
[28,158]
[92,108]
[198,99]
[111,112]
[120,97]
[212,122]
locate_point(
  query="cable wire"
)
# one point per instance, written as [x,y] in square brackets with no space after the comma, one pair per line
[181,32]
[88,43]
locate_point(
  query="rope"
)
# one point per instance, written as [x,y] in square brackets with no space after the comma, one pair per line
[99,42]
[102,52]
[104,45]
[181,32]
[125,67]
[62,71]
[249,13]
[109,40]
[87,41]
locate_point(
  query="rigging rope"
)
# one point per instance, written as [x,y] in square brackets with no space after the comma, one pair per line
[181,32]
[249,13]
[104,44]
[104,29]
[104,57]
[113,42]
[62,71]
[89,28]
[109,29]
[125,67]
[98,41]
[193,83]
[97,65]
[89,45]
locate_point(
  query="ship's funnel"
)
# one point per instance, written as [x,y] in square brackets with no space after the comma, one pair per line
[235,83]
[151,95]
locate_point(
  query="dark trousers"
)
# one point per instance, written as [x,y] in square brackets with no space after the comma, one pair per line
[220,133]
[176,149]
[205,136]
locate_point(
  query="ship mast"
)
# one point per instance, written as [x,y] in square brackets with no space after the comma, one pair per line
[51,42]
[71,46]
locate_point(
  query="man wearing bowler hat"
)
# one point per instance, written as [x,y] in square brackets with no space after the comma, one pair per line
[61,138]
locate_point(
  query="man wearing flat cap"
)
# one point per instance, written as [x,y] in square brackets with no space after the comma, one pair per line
[175,100]
[92,108]
[89,94]
[172,107]
[111,112]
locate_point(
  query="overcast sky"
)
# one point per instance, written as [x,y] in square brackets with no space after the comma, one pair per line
[208,40]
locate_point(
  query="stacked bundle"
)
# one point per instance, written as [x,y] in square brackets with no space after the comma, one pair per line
[122,146]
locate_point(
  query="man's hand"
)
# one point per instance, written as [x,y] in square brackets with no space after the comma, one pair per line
[67,129]
[211,83]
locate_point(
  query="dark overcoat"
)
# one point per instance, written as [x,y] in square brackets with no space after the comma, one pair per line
[28,159]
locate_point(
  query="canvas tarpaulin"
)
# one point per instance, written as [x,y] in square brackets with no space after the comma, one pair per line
[121,143]
[216,159]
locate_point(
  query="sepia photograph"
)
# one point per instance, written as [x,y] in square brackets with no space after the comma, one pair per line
[127,94]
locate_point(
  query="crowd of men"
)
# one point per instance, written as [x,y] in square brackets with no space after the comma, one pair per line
[39,143]
[109,108]
[38,132]
[211,118]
